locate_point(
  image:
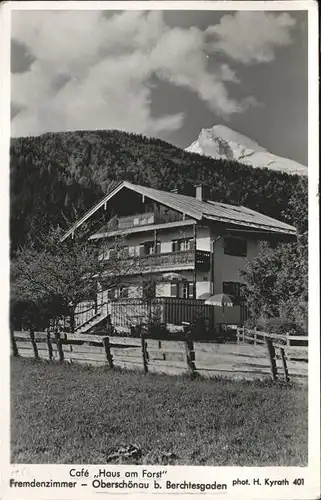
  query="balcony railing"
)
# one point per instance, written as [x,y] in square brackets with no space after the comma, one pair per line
[169,260]
[136,221]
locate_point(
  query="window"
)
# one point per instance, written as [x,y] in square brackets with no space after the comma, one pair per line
[186,290]
[125,252]
[132,251]
[182,290]
[182,245]
[185,244]
[149,290]
[233,289]
[150,247]
[235,246]
[141,250]
[112,253]
[123,292]
[174,290]
[111,293]
[175,246]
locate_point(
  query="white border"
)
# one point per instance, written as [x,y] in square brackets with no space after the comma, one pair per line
[313,470]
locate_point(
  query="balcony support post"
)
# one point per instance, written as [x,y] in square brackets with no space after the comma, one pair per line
[155,240]
[195,276]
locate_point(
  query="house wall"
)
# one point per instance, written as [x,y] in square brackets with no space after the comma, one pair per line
[164,237]
[228,267]
[163,289]
[203,235]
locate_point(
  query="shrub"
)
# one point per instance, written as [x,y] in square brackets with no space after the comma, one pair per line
[277,325]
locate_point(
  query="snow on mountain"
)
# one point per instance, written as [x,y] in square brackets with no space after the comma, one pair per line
[222,142]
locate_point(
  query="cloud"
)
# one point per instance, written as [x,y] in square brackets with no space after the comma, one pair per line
[91,70]
[251,37]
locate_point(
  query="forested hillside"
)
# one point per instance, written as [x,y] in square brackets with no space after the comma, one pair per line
[56,176]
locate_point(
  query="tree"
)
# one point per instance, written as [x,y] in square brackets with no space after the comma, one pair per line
[277,283]
[50,277]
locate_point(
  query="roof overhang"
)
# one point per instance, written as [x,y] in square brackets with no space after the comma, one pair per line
[126,185]
[254,226]
[142,229]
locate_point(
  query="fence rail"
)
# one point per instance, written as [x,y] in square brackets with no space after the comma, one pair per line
[292,347]
[238,360]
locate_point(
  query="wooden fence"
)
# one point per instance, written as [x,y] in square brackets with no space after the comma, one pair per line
[260,359]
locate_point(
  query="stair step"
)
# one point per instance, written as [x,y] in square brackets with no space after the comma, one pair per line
[91,322]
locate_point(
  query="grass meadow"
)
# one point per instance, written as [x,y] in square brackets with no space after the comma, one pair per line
[80,414]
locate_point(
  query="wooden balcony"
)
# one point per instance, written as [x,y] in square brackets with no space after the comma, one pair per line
[170,261]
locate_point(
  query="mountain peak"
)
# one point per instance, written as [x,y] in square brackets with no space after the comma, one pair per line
[221,142]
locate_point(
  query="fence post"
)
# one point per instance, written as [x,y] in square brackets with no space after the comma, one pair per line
[109,356]
[288,343]
[190,356]
[14,346]
[271,352]
[49,344]
[70,345]
[284,364]
[255,336]
[159,347]
[144,353]
[59,346]
[243,334]
[33,342]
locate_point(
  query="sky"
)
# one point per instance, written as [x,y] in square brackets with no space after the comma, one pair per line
[163,73]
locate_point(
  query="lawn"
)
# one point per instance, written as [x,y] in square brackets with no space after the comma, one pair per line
[79,414]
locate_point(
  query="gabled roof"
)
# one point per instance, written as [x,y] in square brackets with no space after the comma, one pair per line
[196,209]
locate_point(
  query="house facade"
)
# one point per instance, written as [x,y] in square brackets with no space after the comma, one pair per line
[174,248]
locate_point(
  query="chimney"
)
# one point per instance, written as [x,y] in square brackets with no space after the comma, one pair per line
[175,191]
[199,192]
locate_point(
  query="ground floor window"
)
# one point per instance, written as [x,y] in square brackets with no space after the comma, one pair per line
[120,293]
[123,292]
[149,290]
[234,290]
[111,293]
[184,290]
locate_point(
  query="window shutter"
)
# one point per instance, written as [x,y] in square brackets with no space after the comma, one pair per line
[141,250]
[173,289]
[191,290]
[112,253]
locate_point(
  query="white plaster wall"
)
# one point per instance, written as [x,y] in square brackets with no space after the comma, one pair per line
[202,287]
[166,246]
[163,290]
[228,267]
[203,239]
